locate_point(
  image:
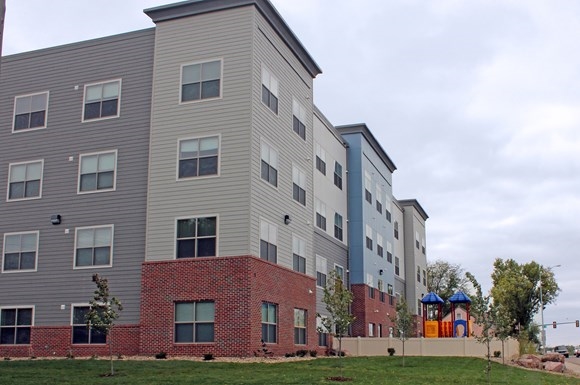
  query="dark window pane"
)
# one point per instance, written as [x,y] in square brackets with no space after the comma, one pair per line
[206,226]
[204,332]
[21,122]
[16,190]
[98,336]
[272,333]
[80,335]
[37,119]
[302,197]
[184,333]
[206,247]
[273,103]
[210,89]
[186,248]
[186,228]
[79,315]
[272,253]
[105,180]
[32,189]
[265,95]
[89,182]
[27,260]
[102,255]
[296,192]
[24,317]
[273,176]
[263,249]
[265,170]
[93,110]
[11,261]
[187,168]
[84,257]
[208,166]
[23,335]
[8,317]
[109,108]
[190,92]
[7,336]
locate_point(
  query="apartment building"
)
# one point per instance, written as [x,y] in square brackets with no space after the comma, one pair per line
[188,165]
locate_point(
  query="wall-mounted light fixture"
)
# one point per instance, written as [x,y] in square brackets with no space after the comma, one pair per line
[55,219]
[381,271]
[287,219]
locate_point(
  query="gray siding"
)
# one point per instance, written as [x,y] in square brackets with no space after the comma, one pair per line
[226,35]
[335,252]
[60,70]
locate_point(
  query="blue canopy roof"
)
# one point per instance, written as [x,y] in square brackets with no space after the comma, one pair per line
[431,299]
[459,297]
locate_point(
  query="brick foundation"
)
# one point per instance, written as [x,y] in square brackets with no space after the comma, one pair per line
[371,310]
[238,286]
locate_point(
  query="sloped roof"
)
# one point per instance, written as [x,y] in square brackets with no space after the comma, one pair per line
[459,297]
[431,299]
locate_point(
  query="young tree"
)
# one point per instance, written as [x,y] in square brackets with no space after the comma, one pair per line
[403,321]
[445,279]
[337,299]
[103,312]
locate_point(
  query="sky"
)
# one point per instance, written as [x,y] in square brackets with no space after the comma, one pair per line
[477,103]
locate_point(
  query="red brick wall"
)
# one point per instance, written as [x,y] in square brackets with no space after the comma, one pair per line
[49,341]
[370,310]
[238,286]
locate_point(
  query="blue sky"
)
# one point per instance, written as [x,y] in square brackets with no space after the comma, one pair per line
[477,102]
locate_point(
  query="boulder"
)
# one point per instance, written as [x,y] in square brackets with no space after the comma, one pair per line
[529,361]
[551,366]
[553,357]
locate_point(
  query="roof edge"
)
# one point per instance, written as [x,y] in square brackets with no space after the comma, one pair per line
[361,128]
[416,206]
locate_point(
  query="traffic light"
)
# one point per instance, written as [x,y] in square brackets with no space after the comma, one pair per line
[577,323]
[554,324]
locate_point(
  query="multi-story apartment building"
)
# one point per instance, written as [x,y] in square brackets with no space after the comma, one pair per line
[188,165]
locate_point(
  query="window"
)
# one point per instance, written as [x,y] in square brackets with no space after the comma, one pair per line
[418,274]
[30,111]
[269,90]
[194,321]
[93,246]
[196,237]
[338,175]
[339,272]
[424,278]
[320,159]
[198,157]
[379,245]
[419,304]
[338,226]
[396,229]
[299,185]
[299,119]
[269,322]
[15,325]
[20,251]
[389,252]
[390,292]
[102,100]
[369,237]
[97,172]
[269,164]
[423,245]
[379,197]
[322,332]
[25,180]
[371,292]
[299,326]
[298,253]
[201,81]
[388,215]
[368,184]
[417,240]
[268,242]
[371,329]
[371,285]
[80,333]
[320,215]
[397,267]
[388,208]
[321,271]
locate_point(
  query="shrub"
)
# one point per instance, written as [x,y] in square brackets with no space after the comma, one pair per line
[391,351]
[161,356]
[208,357]
[497,354]
[301,352]
[287,355]
[313,353]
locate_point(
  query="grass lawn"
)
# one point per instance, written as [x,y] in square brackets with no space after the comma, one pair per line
[362,370]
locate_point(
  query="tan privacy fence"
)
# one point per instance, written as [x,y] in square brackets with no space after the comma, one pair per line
[450,347]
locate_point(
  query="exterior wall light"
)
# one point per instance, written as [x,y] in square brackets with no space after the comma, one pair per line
[287,219]
[55,219]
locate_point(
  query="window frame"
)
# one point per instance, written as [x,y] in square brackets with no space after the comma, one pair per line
[10,165]
[194,322]
[268,322]
[16,326]
[268,230]
[73,306]
[102,83]
[320,159]
[111,247]
[265,146]
[320,215]
[299,115]
[268,77]
[321,271]
[300,329]
[115,169]
[367,188]
[339,269]
[201,62]
[298,175]
[369,237]
[196,238]
[338,227]
[11,271]
[298,254]
[337,176]
[179,178]
[30,95]
[397,266]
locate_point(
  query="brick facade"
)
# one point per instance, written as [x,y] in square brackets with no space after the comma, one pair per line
[371,310]
[238,286]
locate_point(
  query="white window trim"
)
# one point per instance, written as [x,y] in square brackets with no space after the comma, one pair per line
[114,188]
[323,264]
[264,142]
[112,227]
[179,140]
[33,307]
[45,114]
[271,226]
[192,216]
[221,60]
[4,248]
[343,272]
[72,310]
[41,180]
[301,175]
[264,69]
[120,80]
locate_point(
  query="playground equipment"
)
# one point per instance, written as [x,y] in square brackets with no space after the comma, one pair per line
[435,327]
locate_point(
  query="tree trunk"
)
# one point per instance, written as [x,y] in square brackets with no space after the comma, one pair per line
[111,351]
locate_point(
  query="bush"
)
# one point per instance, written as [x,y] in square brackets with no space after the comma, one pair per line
[161,356]
[391,351]
[208,357]
[313,353]
[288,355]
[497,354]
[301,352]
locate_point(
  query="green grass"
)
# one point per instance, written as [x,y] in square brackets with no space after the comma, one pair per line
[362,370]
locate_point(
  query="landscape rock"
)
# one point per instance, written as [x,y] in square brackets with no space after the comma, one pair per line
[553,357]
[551,366]
[530,361]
